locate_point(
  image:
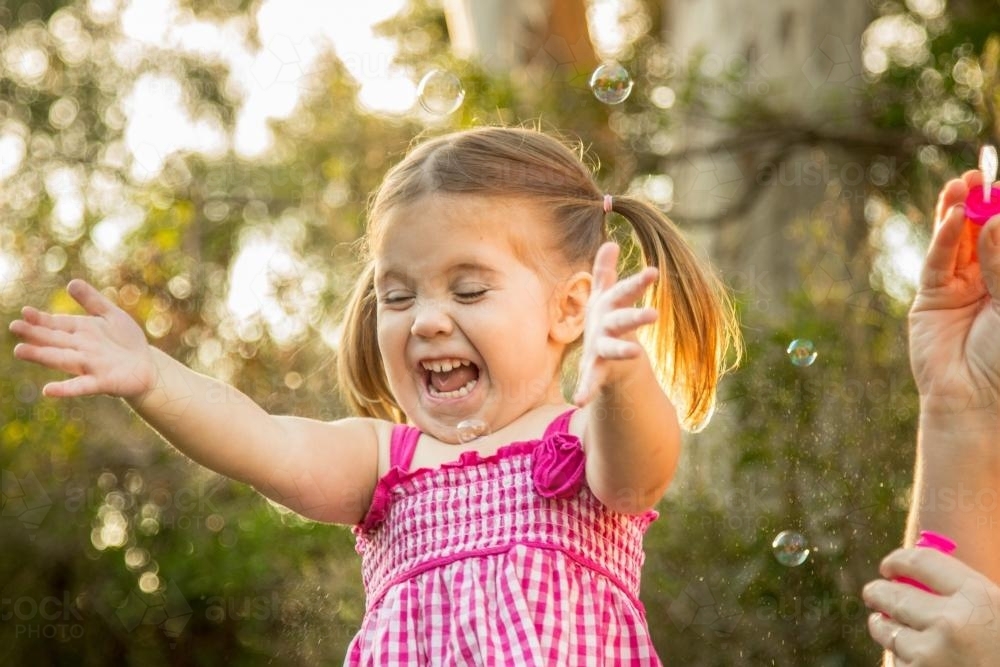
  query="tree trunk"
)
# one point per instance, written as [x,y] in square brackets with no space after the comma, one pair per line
[511,36]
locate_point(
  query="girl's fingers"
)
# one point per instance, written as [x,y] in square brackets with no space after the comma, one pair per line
[39,335]
[942,255]
[614,349]
[67,323]
[87,296]
[627,290]
[627,320]
[67,361]
[605,266]
[83,385]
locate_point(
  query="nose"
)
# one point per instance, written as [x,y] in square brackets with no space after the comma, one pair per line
[431,318]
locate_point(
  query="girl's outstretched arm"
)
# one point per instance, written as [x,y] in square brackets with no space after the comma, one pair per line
[632,431]
[323,470]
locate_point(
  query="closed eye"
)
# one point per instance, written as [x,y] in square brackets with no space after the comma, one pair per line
[470,296]
[395,300]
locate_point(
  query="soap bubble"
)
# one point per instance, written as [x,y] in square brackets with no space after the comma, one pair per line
[790,548]
[611,83]
[802,352]
[470,429]
[440,92]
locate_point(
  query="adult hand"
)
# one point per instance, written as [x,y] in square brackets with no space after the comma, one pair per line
[612,320]
[959,627]
[954,349]
[106,350]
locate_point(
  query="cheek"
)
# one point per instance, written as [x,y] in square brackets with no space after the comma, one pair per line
[390,340]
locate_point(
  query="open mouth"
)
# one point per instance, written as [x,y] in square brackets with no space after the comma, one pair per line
[449,378]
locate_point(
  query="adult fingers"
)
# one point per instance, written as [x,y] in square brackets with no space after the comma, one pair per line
[973,178]
[942,255]
[954,192]
[904,603]
[940,572]
[989,255]
[892,636]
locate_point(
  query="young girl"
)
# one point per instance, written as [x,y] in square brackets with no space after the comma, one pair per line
[496,524]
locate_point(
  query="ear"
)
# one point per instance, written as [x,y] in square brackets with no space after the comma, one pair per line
[569,307]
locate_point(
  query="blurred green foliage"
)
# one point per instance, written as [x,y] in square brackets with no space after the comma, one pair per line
[116,550]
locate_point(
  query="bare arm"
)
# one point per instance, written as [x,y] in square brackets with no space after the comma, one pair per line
[955,354]
[326,471]
[632,431]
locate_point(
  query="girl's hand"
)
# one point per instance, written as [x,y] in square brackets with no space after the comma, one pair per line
[612,320]
[955,317]
[960,627]
[106,350]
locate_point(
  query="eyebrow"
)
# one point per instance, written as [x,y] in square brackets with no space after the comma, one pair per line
[394,273]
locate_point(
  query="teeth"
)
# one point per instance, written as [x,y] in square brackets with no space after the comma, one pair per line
[444,365]
[458,393]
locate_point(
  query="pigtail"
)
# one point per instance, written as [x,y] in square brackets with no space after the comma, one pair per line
[360,374]
[689,343]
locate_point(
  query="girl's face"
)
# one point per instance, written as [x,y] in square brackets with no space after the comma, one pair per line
[463,322]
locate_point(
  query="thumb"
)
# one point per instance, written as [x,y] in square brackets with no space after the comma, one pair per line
[989,256]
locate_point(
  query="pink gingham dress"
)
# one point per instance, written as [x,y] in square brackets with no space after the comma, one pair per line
[501,560]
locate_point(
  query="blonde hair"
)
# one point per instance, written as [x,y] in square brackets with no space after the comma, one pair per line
[688,344]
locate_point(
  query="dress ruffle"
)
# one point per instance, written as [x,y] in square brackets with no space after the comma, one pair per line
[558,466]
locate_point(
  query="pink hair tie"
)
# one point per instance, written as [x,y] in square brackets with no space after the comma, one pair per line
[608,203]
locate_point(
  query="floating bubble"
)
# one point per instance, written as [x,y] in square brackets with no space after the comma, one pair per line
[611,83]
[440,92]
[802,352]
[790,548]
[470,429]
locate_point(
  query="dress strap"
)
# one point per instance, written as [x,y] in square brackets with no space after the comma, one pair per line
[560,424]
[402,445]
